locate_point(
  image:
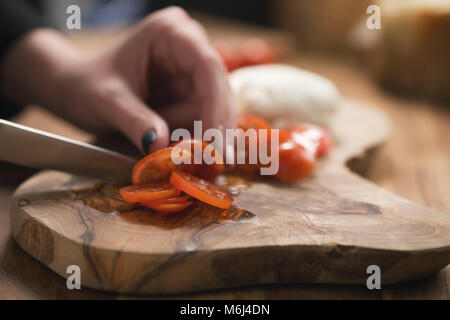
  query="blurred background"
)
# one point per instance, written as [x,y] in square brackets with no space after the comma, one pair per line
[410,53]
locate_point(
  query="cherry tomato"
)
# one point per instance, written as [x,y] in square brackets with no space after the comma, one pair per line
[202,170]
[230,56]
[156,167]
[320,139]
[201,189]
[169,207]
[295,162]
[253,122]
[148,192]
[254,168]
[257,51]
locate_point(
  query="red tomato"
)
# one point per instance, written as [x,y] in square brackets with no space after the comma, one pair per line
[169,207]
[230,56]
[201,189]
[149,192]
[257,51]
[253,122]
[320,138]
[202,170]
[295,161]
[165,200]
[253,168]
[156,167]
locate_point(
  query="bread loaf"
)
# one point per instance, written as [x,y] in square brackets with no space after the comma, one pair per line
[413,52]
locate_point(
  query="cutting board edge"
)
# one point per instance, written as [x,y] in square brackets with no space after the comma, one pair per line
[327,251]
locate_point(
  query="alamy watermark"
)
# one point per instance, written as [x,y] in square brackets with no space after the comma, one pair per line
[374,280]
[74,280]
[373,22]
[239,147]
[73,21]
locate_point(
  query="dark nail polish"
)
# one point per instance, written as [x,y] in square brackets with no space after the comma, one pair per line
[147,140]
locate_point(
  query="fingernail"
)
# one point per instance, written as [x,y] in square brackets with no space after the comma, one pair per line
[147,140]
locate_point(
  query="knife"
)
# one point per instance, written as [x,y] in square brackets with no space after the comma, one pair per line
[39,149]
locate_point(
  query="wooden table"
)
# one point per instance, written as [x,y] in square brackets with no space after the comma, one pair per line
[415,164]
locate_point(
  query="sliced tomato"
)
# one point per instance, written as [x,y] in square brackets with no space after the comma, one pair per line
[197,148]
[320,139]
[156,167]
[170,207]
[148,192]
[166,200]
[201,189]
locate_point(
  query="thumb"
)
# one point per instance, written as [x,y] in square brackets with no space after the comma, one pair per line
[141,125]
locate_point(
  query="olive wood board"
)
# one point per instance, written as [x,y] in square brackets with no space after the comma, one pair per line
[327,228]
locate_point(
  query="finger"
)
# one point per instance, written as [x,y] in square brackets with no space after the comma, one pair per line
[214,94]
[141,125]
[196,57]
[181,114]
[212,89]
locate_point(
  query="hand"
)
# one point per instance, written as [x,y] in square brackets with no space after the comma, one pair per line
[163,69]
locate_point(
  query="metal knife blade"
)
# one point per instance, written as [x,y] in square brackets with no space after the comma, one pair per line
[39,149]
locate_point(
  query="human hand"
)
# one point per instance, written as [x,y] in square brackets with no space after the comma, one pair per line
[163,69]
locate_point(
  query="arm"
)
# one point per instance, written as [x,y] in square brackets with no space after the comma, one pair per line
[161,72]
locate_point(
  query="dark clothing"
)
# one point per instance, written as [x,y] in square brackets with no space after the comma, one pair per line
[17,17]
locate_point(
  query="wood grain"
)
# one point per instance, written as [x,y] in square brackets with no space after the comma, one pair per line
[326,229]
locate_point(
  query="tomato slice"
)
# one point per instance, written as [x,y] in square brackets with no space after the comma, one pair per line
[319,139]
[169,207]
[156,167]
[166,200]
[201,189]
[148,192]
[202,170]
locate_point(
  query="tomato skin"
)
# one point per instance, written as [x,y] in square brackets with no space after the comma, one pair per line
[203,170]
[253,169]
[253,122]
[165,200]
[201,190]
[295,162]
[319,136]
[230,56]
[169,207]
[150,192]
[256,51]
[156,167]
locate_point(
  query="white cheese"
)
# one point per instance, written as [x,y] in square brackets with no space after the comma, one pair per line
[284,94]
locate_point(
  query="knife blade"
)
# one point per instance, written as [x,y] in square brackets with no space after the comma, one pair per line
[39,149]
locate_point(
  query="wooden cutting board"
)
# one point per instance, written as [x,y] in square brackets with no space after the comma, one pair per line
[327,228]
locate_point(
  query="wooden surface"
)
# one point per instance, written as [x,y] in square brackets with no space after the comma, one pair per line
[327,228]
[414,164]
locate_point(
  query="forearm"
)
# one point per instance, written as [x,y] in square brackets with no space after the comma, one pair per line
[44,68]
[33,66]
